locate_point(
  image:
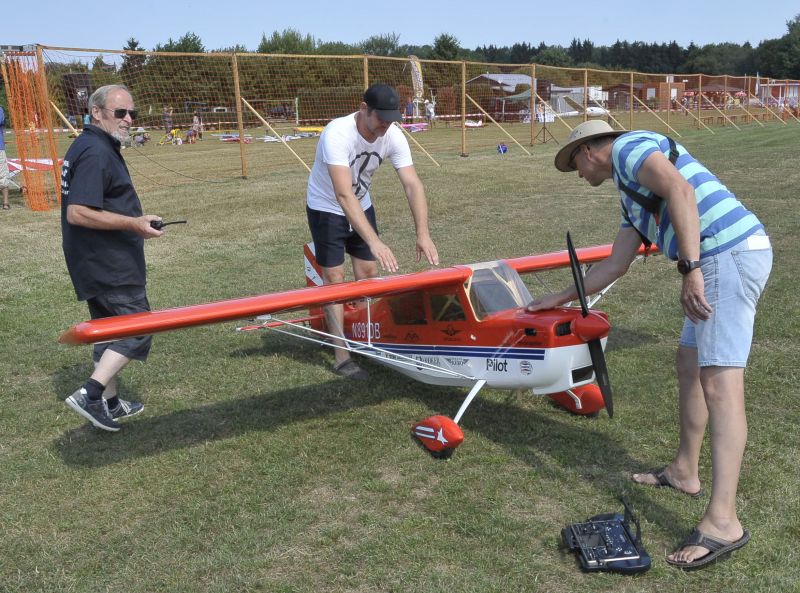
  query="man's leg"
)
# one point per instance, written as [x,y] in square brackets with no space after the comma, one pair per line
[334,315]
[108,367]
[724,394]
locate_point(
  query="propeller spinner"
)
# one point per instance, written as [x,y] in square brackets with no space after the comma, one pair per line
[589,328]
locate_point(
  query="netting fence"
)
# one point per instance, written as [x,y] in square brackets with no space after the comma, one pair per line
[254,114]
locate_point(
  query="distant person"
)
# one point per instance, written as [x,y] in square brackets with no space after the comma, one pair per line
[341,216]
[197,126]
[410,111]
[5,176]
[87,119]
[724,258]
[103,232]
[166,118]
[430,112]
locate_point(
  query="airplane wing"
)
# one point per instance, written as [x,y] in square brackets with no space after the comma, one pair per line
[139,324]
[560,259]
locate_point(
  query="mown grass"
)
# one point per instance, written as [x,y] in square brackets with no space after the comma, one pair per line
[254,468]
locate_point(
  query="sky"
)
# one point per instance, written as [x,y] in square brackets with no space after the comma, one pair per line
[223,24]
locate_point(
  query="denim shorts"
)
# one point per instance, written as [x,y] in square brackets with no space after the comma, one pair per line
[734,280]
[121,301]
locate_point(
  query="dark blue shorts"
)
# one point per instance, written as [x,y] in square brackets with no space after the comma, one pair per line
[333,237]
[121,301]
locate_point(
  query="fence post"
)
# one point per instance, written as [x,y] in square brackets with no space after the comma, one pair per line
[699,97]
[585,93]
[464,109]
[630,106]
[239,119]
[532,103]
[46,112]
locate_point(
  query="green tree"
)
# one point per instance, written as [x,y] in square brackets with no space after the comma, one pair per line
[290,41]
[336,48]
[780,58]
[188,43]
[446,47]
[132,64]
[102,73]
[381,45]
[554,56]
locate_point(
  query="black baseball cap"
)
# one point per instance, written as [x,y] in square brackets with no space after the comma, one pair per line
[385,100]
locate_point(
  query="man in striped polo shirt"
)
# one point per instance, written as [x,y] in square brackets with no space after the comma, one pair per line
[724,256]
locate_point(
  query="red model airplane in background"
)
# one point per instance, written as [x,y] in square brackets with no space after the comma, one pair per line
[463,326]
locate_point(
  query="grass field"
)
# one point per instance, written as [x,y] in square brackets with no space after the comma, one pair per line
[254,468]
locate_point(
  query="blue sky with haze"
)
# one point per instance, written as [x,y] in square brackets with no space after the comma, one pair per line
[107,25]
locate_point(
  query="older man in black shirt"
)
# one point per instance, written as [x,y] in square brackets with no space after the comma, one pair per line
[103,230]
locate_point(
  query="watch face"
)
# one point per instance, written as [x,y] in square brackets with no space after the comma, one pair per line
[685,266]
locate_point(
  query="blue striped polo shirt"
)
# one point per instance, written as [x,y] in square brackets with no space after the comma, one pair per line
[724,221]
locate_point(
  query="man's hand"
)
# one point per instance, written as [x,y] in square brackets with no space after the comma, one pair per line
[426,247]
[383,255]
[548,301]
[141,226]
[693,297]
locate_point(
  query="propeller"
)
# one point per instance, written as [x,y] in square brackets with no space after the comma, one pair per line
[590,327]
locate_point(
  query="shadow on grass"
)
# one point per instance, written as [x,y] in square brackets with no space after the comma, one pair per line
[536,438]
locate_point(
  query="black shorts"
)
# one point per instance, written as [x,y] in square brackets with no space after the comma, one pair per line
[333,236]
[121,301]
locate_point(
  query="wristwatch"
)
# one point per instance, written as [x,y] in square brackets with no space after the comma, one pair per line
[687,265]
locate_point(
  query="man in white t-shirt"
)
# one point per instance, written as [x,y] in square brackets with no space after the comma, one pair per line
[339,207]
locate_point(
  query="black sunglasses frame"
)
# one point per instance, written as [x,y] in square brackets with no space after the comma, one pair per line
[121,112]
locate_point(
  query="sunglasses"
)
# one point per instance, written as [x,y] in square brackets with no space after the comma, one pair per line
[121,113]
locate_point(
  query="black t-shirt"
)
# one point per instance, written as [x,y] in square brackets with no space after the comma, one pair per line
[94,174]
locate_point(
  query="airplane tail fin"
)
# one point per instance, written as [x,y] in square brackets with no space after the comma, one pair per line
[313,278]
[313,271]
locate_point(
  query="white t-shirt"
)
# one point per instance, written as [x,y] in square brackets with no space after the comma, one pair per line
[341,144]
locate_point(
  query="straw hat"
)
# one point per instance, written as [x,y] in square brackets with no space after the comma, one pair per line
[593,128]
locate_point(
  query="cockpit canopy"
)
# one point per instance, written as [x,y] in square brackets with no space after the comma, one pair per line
[495,286]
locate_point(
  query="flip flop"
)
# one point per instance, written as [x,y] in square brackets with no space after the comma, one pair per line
[716,548]
[660,474]
[350,369]
[6,207]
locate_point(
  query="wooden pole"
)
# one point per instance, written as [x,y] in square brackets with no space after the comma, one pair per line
[414,140]
[585,93]
[64,119]
[48,125]
[239,118]
[658,117]
[630,106]
[532,104]
[699,122]
[271,129]
[366,72]
[750,115]
[561,119]
[464,109]
[498,125]
[722,113]
[699,95]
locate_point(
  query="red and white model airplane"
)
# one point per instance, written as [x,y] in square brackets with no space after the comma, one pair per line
[463,326]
